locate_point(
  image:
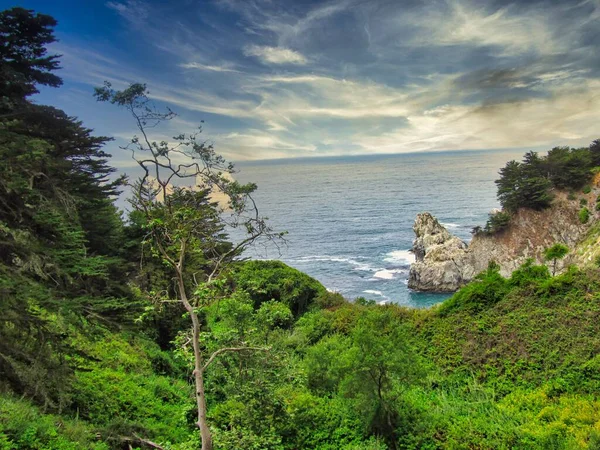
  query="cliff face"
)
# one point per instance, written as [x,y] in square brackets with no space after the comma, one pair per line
[444,263]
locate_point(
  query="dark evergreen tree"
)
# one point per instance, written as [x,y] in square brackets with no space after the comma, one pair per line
[509,185]
[60,234]
[24,62]
[595,152]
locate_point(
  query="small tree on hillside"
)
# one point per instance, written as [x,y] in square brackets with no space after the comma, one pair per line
[554,253]
[595,152]
[183,227]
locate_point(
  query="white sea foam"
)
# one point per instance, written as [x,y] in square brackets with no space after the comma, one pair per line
[353,262]
[384,275]
[370,291]
[400,257]
[387,274]
[450,225]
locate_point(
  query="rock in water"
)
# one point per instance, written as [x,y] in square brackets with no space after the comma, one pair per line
[439,257]
[444,263]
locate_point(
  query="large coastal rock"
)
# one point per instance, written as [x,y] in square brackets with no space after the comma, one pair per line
[438,257]
[444,263]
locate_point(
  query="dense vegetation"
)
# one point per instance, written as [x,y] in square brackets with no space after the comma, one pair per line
[529,184]
[96,349]
[532,182]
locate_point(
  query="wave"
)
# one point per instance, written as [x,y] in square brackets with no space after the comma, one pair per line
[450,225]
[387,274]
[379,293]
[353,262]
[400,257]
[385,298]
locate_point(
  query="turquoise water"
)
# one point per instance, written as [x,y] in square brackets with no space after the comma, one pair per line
[350,219]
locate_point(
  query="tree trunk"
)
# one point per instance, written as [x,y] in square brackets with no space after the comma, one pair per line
[198,369]
[199,379]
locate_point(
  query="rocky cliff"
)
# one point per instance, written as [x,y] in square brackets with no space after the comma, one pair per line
[444,263]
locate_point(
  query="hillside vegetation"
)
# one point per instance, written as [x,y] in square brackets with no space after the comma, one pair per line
[97,349]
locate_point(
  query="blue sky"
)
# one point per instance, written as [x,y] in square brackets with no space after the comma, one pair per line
[274,79]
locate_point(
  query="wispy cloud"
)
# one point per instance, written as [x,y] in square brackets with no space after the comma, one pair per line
[275,55]
[210,68]
[134,11]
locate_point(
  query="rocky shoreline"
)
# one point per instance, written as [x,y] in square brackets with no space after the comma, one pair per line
[445,263]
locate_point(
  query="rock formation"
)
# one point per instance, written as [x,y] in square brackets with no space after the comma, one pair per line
[444,263]
[439,257]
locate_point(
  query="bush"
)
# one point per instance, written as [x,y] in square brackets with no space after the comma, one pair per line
[571,196]
[584,215]
[587,189]
[485,290]
[274,280]
[23,426]
[528,274]
[497,222]
[330,300]
[583,202]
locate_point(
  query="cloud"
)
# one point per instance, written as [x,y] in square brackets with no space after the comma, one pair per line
[275,55]
[196,65]
[134,11]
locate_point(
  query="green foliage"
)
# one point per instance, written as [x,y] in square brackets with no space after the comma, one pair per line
[497,222]
[273,280]
[584,215]
[528,184]
[22,426]
[522,185]
[23,60]
[554,253]
[557,251]
[487,289]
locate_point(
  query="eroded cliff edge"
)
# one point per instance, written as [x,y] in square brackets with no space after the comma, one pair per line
[444,263]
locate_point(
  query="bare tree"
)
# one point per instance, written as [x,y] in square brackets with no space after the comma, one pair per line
[182,224]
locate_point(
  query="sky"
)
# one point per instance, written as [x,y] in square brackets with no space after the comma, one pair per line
[298,78]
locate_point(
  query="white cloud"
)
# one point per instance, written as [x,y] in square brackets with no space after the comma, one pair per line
[275,55]
[134,11]
[474,23]
[209,68]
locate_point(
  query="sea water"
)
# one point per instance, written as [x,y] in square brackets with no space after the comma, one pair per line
[349,219]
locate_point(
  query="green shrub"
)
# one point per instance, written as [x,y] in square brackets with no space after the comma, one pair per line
[497,222]
[23,426]
[583,202]
[587,189]
[584,215]
[330,300]
[274,280]
[485,290]
[528,274]
[571,196]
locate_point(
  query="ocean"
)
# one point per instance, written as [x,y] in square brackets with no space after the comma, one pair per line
[349,219]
